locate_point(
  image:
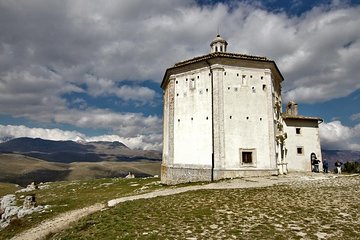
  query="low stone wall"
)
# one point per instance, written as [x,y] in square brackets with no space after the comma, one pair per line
[237,173]
[172,175]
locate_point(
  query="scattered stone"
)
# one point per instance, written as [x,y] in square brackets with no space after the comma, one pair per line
[213,226]
[29,188]
[29,202]
[105,184]
[9,210]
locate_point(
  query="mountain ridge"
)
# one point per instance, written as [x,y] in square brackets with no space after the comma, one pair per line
[71,151]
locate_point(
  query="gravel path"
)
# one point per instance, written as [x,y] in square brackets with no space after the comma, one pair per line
[64,220]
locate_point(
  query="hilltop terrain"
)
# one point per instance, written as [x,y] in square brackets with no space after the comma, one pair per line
[311,206]
[26,160]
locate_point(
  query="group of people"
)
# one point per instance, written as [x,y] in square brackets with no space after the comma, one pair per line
[315,163]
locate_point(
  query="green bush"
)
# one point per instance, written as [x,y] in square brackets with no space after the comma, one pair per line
[352,167]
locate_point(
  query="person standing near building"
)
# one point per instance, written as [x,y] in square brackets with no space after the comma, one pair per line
[325,166]
[338,166]
[316,165]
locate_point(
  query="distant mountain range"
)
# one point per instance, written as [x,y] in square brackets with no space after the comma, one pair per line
[70,151]
[341,155]
[26,160]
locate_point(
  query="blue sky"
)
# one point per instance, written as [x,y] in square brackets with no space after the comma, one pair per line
[91,70]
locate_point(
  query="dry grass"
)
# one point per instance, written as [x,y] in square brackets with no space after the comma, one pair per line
[8,188]
[23,170]
[322,209]
[66,196]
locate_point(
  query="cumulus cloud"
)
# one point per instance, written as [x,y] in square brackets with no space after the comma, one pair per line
[51,134]
[50,49]
[105,87]
[334,135]
[146,142]
[355,117]
[124,124]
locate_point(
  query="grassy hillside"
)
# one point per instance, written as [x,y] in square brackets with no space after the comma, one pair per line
[309,210]
[23,170]
[69,195]
[7,188]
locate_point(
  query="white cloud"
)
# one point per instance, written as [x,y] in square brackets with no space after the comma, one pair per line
[123,124]
[104,87]
[334,135]
[146,142]
[52,48]
[51,134]
[355,117]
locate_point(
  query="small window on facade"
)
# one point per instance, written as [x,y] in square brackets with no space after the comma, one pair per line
[178,120]
[215,48]
[300,150]
[261,77]
[253,89]
[237,74]
[247,117]
[225,73]
[250,76]
[247,157]
[244,79]
[207,90]
[177,94]
[235,89]
[260,119]
[192,118]
[209,74]
[186,79]
[264,87]
[207,118]
[298,130]
[228,88]
[192,83]
[230,117]
[176,82]
[221,49]
[198,77]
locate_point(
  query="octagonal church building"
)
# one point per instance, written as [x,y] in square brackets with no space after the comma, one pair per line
[223,118]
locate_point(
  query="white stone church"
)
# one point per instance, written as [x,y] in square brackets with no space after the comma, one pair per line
[223,119]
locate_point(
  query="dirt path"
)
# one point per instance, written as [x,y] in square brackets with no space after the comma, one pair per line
[64,220]
[58,223]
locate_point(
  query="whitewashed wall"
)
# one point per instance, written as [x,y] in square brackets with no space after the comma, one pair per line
[192,118]
[248,117]
[308,139]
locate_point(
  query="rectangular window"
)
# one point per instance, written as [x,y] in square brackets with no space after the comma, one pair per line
[192,84]
[243,80]
[298,130]
[248,157]
[300,150]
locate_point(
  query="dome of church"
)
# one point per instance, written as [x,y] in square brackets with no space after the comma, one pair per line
[218,44]
[218,39]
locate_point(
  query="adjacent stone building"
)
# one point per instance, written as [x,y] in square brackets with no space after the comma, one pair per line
[223,119]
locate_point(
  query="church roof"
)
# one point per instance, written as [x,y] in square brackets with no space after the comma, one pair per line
[221,54]
[218,57]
